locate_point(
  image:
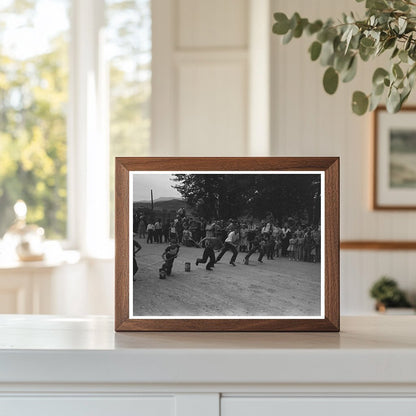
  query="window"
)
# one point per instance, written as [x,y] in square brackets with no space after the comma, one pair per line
[33,103]
[129,45]
[75,87]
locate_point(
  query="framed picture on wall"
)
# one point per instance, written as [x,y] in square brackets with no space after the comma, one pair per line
[227,244]
[394,179]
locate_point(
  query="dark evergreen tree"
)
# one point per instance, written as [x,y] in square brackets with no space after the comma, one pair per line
[256,195]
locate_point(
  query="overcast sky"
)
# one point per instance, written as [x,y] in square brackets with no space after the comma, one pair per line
[160,183]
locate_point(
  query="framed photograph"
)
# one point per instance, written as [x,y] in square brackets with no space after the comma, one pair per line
[227,244]
[394,180]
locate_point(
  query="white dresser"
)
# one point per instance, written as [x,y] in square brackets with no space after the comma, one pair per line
[79,366]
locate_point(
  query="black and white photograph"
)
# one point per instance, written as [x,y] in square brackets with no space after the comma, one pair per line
[226,244]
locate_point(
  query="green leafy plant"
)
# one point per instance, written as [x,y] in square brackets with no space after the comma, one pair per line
[387,292]
[389,27]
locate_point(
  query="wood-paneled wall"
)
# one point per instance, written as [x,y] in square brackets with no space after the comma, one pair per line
[204,91]
[307,121]
[204,70]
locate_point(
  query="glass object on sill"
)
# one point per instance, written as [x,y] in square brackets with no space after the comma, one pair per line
[25,241]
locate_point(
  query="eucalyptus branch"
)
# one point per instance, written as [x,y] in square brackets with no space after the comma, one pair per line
[389,25]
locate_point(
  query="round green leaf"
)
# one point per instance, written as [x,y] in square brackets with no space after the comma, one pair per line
[374,102]
[393,101]
[378,90]
[389,43]
[367,42]
[330,80]
[288,37]
[282,25]
[379,75]
[397,71]
[403,56]
[366,53]
[298,30]
[294,20]
[342,61]
[395,52]
[315,50]
[314,27]
[327,54]
[359,103]
[351,71]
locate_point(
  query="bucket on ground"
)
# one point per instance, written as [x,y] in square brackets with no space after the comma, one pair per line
[187,266]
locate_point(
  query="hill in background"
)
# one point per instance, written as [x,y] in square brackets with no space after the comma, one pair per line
[164,203]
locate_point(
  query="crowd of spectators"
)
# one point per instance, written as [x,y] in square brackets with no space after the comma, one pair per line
[292,238]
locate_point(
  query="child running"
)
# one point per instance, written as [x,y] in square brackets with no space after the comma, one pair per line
[136,248]
[169,255]
[258,244]
[230,244]
[208,253]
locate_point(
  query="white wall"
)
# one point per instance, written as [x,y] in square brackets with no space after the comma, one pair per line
[218,78]
[211,81]
[200,77]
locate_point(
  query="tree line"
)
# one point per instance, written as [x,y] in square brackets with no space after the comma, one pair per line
[258,196]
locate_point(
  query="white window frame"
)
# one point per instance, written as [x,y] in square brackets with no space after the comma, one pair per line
[88,136]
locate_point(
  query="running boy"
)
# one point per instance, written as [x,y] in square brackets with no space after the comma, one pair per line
[136,248]
[208,253]
[258,244]
[230,244]
[169,255]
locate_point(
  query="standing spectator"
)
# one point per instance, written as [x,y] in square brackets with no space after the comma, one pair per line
[244,238]
[179,230]
[316,235]
[210,229]
[251,235]
[187,239]
[202,227]
[270,245]
[135,222]
[307,245]
[194,228]
[292,248]
[165,231]
[158,231]
[172,231]
[150,233]
[142,227]
[287,234]
[300,255]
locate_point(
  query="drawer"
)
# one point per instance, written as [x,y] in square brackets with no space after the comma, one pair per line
[87,406]
[272,406]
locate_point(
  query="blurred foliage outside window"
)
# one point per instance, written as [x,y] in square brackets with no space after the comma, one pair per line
[33,100]
[34,73]
[129,51]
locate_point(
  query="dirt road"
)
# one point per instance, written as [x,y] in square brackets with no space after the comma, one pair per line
[275,288]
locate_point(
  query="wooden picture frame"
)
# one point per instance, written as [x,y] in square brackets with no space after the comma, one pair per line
[394,135]
[326,168]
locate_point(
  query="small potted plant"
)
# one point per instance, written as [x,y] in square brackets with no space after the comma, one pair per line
[387,294]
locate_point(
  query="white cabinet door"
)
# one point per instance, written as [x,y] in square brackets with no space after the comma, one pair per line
[87,406]
[268,406]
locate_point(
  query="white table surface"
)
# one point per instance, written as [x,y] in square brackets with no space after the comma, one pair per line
[46,349]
